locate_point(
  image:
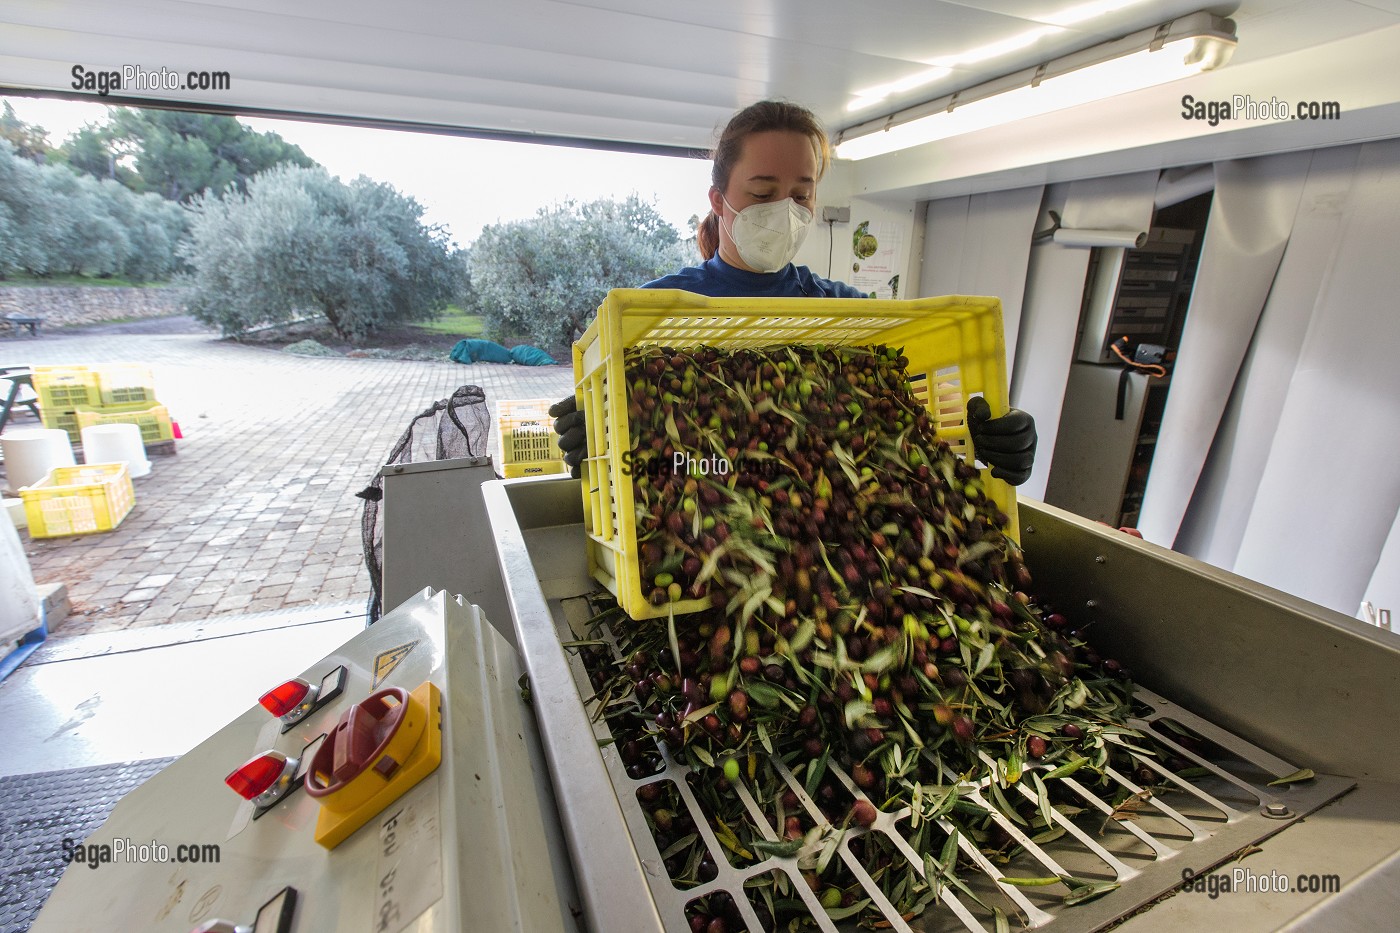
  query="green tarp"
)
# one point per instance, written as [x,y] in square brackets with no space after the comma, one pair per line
[488,351]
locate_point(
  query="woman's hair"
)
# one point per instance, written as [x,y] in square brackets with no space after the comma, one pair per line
[761,117]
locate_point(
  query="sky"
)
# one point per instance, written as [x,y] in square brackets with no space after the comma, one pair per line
[463,184]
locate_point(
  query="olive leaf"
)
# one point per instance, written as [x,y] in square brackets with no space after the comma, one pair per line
[1043,800]
[788,849]
[679,845]
[1030,882]
[1065,770]
[1082,891]
[1302,774]
[700,714]
[841,913]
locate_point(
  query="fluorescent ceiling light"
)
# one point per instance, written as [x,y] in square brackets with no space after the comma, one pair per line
[942,67]
[873,95]
[1178,49]
[1086,11]
[1001,47]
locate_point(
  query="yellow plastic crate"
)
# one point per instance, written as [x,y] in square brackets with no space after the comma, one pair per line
[532,468]
[62,389]
[63,420]
[153,420]
[527,442]
[78,500]
[125,384]
[953,343]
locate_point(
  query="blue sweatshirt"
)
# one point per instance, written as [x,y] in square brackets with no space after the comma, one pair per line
[716,278]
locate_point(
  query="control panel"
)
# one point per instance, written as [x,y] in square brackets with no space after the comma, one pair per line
[351,796]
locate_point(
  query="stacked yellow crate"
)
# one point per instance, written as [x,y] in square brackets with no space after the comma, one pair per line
[62,390]
[527,442]
[76,396]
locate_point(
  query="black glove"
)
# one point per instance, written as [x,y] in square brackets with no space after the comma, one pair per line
[1006,444]
[573,438]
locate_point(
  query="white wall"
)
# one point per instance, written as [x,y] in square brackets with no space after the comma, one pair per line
[828,251]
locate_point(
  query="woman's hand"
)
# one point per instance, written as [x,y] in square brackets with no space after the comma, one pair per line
[573,437]
[1006,444]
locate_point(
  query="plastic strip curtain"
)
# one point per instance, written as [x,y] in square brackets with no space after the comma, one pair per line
[1251,217]
[1329,493]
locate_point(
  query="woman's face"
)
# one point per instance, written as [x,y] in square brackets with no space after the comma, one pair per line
[772,165]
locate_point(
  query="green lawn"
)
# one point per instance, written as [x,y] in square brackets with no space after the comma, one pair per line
[454,322]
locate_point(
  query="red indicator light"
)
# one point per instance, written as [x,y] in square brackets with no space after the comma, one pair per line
[257,775]
[279,701]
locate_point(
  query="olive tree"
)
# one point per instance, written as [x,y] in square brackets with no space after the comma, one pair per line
[543,278]
[57,222]
[300,241]
[84,237]
[21,214]
[153,228]
[9,241]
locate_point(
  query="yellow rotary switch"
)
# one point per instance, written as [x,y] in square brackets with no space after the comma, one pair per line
[379,749]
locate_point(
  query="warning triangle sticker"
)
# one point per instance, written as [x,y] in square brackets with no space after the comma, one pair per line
[386,661]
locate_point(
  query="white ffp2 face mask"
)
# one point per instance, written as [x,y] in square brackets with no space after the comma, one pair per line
[768,234]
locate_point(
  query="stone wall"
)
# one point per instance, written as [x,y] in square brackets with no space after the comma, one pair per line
[66,305]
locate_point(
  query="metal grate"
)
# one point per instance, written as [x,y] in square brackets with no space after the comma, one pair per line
[1194,823]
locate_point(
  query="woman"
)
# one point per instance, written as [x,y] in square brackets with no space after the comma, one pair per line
[767,164]
[765,173]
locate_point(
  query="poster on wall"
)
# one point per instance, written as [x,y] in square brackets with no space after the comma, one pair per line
[875,249]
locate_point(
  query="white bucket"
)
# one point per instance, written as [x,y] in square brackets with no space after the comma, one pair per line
[116,443]
[31,452]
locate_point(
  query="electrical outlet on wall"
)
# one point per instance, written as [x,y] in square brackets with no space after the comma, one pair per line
[840,215]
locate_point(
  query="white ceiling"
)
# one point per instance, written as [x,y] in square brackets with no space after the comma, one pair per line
[638,73]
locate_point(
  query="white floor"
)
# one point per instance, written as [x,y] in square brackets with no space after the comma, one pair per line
[154,693]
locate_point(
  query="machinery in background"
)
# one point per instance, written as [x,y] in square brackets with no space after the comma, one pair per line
[1134,309]
[1107,435]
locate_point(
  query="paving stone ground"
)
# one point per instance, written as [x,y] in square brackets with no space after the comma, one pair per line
[256,510]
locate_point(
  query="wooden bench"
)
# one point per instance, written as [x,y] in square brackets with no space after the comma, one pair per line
[19,321]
